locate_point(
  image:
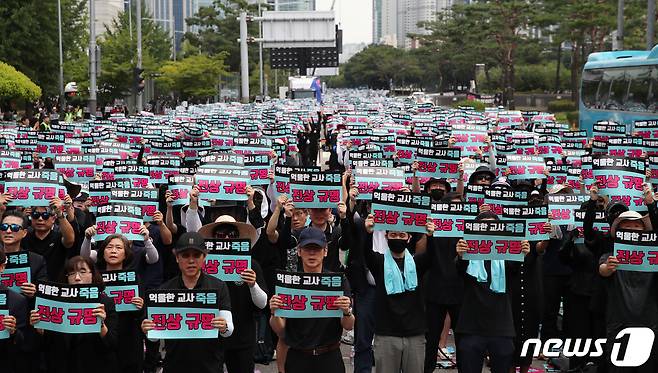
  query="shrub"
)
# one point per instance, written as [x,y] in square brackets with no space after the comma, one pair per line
[478,105]
[558,106]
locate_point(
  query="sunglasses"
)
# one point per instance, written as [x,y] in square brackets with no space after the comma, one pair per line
[484,177]
[43,215]
[226,235]
[14,227]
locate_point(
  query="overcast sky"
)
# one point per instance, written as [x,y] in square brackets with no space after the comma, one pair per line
[354,18]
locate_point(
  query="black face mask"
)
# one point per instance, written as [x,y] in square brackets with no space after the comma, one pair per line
[397,246]
[437,194]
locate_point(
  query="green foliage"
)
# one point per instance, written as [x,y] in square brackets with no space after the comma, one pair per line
[120,54]
[529,78]
[572,118]
[377,66]
[192,77]
[476,104]
[30,39]
[14,84]
[561,106]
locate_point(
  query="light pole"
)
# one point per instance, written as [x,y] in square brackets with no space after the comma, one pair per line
[138,14]
[244,63]
[62,98]
[620,24]
[260,52]
[92,58]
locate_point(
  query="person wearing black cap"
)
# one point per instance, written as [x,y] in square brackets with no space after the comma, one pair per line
[196,355]
[314,343]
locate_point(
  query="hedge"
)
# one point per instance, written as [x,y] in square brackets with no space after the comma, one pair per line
[559,106]
[14,84]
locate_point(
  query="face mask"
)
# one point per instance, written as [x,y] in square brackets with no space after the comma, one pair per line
[397,246]
[437,194]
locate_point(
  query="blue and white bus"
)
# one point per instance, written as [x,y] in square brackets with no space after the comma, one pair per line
[621,86]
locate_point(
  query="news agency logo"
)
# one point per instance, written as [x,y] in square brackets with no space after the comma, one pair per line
[637,352]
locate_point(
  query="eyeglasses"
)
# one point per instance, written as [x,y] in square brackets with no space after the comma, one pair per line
[14,227]
[82,272]
[43,215]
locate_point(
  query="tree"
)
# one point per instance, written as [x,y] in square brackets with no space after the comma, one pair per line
[192,77]
[15,85]
[30,38]
[120,54]
[377,66]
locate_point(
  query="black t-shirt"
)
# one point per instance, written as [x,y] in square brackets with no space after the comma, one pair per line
[312,333]
[243,310]
[443,285]
[52,249]
[197,355]
[484,312]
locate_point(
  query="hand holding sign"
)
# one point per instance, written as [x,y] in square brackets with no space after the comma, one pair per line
[462,247]
[275,303]
[249,277]
[609,267]
[219,323]
[370,223]
[28,289]
[9,323]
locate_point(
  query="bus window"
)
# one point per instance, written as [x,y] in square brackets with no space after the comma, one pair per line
[638,92]
[653,91]
[591,80]
[618,89]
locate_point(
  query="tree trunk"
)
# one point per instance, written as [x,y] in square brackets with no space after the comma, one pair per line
[574,72]
[557,70]
[512,78]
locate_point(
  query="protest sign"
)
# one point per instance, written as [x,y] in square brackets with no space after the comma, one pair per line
[449,218]
[180,187]
[78,168]
[599,223]
[561,207]
[17,271]
[10,160]
[227,258]
[522,167]
[368,179]
[535,218]
[315,189]
[406,147]
[146,199]
[622,179]
[122,287]
[119,219]
[138,174]
[182,314]
[4,311]
[440,163]
[222,184]
[30,188]
[469,137]
[282,176]
[497,198]
[308,295]
[636,250]
[494,240]
[161,167]
[400,211]
[101,190]
[259,166]
[67,308]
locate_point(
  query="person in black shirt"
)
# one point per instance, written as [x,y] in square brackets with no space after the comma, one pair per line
[632,297]
[485,322]
[247,297]
[399,308]
[12,230]
[55,245]
[196,355]
[14,357]
[75,353]
[314,343]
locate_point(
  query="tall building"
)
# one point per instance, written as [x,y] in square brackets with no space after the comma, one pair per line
[290,5]
[106,11]
[394,20]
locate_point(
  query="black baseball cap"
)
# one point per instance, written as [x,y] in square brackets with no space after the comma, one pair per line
[191,240]
[312,236]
